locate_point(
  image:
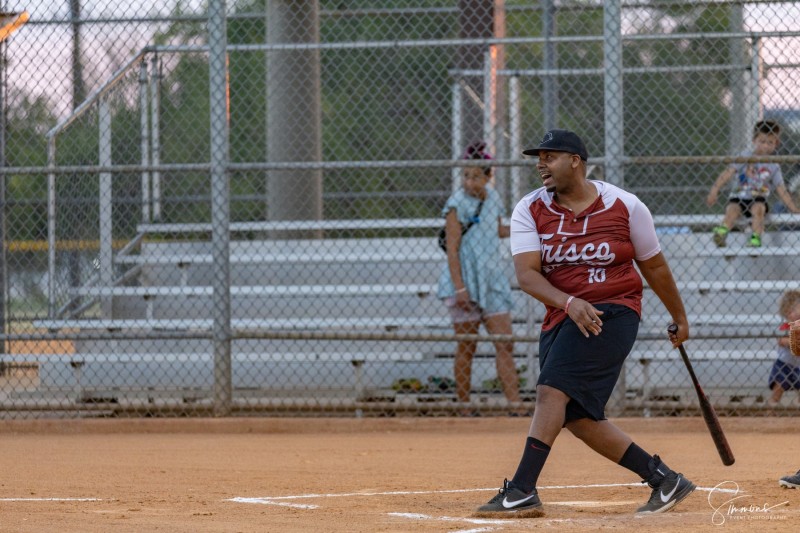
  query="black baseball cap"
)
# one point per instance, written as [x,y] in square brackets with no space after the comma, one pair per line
[560,141]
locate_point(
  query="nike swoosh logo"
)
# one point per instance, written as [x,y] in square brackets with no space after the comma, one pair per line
[510,505]
[665,497]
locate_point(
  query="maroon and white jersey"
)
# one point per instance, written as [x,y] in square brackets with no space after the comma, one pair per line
[589,255]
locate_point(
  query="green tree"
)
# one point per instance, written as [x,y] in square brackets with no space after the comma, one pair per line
[26,194]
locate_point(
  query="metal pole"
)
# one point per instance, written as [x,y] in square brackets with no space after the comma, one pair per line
[515,125]
[144,137]
[106,206]
[489,98]
[456,146]
[3,256]
[549,82]
[475,21]
[500,103]
[293,81]
[738,82]
[51,228]
[612,92]
[614,135]
[755,109]
[516,133]
[78,86]
[220,206]
[155,135]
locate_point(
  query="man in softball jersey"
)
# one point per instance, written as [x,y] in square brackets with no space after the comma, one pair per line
[574,243]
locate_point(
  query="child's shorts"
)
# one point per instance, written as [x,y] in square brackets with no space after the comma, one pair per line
[785,375]
[746,204]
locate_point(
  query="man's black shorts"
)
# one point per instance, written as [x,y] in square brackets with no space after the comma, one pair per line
[586,369]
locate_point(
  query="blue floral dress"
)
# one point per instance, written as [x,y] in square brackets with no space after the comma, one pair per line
[481,260]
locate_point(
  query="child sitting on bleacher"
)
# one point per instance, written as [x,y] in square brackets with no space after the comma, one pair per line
[752,187]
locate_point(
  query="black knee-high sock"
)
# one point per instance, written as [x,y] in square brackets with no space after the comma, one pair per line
[531,464]
[637,461]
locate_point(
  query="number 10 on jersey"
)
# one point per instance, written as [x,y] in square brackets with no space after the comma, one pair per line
[597,275]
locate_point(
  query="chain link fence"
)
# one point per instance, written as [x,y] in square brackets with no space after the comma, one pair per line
[228,209]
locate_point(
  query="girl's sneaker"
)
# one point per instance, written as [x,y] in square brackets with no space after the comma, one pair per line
[755,240]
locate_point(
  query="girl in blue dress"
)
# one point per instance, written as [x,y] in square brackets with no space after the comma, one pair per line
[473,283]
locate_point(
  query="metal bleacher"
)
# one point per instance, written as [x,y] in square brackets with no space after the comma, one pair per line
[350,286]
[278,285]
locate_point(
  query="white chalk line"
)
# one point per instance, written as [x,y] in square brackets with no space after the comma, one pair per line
[51,499]
[269,501]
[593,503]
[499,523]
[503,523]
[545,521]
[278,500]
[474,521]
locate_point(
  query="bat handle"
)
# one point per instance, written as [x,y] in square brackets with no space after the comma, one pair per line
[672,329]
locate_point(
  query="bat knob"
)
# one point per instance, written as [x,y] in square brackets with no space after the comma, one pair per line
[672,329]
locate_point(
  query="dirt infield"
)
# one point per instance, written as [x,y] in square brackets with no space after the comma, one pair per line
[389,475]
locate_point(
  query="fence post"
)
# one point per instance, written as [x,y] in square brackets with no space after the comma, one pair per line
[612,92]
[754,109]
[144,138]
[106,205]
[490,98]
[155,134]
[51,227]
[220,206]
[456,148]
[614,136]
[293,81]
[514,110]
[738,83]
[549,63]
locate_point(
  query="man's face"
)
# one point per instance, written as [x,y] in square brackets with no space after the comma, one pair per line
[765,144]
[555,168]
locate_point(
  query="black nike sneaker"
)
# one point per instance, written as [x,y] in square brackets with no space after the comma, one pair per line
[669,488]
[790,482]
[510,502]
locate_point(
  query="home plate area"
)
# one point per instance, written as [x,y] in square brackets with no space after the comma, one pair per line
[578,505]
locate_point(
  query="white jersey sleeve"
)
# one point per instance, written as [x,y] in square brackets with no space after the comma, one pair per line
[643,232]
[524,236]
